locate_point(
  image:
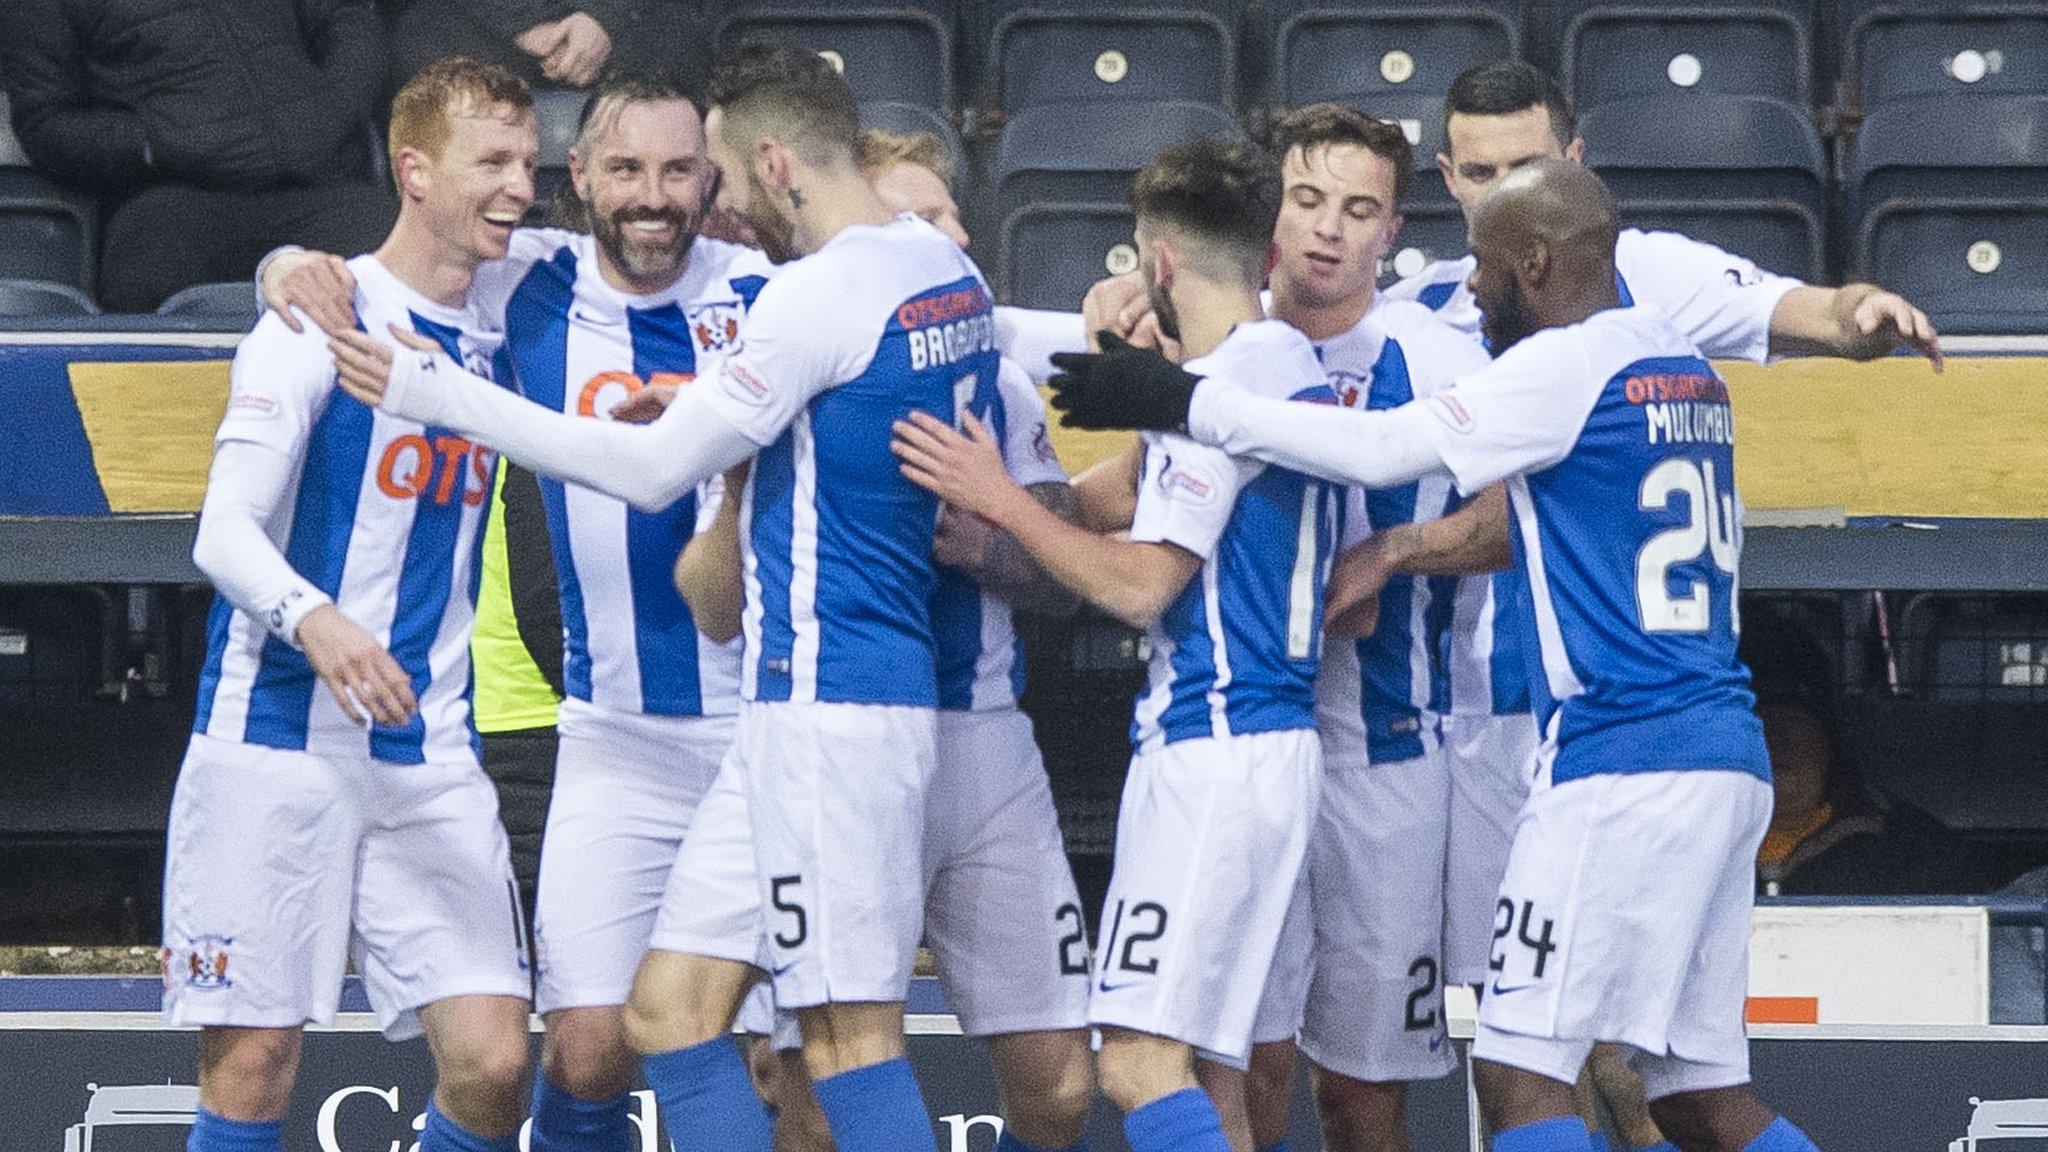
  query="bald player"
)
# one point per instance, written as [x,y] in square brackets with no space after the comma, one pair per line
[1633,855]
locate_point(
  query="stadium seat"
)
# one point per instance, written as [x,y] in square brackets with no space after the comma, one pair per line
[557,114]
[1979,647]
[232,301]
[1062,176]
[1054,54]
[1430,231]
[46,232]
[1745,173]
[1361,55]
[1949,206]
[1899,51]
[887,52]
[1610,52]
[42,298]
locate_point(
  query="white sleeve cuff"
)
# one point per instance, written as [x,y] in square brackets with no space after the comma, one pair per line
[283,617]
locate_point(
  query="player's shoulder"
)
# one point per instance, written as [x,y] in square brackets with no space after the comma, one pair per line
[1434,286]
[1607,342]
[281,352]
[531,245]
[1654,259]
[1270,357]
[725,260]
[1437,354]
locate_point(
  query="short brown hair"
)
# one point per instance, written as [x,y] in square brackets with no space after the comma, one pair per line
[455,86]
[793,92]
[1223,193]
[881,149]
[1322,125]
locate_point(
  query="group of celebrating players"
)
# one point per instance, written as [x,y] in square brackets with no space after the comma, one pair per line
[1440,585]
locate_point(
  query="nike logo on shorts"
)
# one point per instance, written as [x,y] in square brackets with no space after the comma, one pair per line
[1500,991]
[1106,986]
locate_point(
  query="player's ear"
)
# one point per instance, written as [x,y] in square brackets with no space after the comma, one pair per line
[1576,150]
[1387,236]
[772,163]
[410,171]
[1534,267]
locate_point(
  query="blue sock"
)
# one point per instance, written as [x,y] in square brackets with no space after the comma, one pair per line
[1597,1141]
[708,1099]
[445,1135]
[1782,1136]
[1186,1121]
[1557,1134]
[1009,1143]
[1660,1146]
[878,1108]
[211,1133]
[1281,1145]
[565,1123]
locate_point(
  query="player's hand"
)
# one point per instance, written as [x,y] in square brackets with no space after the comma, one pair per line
[316,283]
[963,468]
[365,680]
[1888,313]
[363,363]
[570,50]
[1351,602]
[1121,387]
[962,540]
[1148,334]
[646,405]
[1115,304]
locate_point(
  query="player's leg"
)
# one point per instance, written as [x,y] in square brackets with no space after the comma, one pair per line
[481,1068]
[1003,920]
[836,794]
[1192,921]
[1047,1082]
[1699,1089]
[703,958]
[1374,1019]
[1609,1082]
[258,877]
[1269,1094]
[441,944]
[776,1057]
[625,790]
[1224,1084]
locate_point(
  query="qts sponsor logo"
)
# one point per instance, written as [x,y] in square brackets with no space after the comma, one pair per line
[606,390]
[442,469]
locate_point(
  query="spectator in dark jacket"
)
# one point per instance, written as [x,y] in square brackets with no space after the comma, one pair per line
[564,43]
[219,129]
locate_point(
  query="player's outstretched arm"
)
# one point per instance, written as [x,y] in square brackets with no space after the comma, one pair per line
[1001,565]
[1856,321]
[648,466]
[1107,493]
[1134,582]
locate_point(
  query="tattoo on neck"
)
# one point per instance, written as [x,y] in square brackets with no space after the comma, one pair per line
[796,199]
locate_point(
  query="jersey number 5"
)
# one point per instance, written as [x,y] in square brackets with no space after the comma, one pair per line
[1710,526]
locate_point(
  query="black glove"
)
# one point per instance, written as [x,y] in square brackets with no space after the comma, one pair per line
[1121,387]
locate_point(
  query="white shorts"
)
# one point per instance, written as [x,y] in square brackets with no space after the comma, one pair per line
[1376,868]
[1624,918]
[836,795]
[1002,916]
[1491,760]
[1280,1005]
[626,789]
[281,865]
[1194,913]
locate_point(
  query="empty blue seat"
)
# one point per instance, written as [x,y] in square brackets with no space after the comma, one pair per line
[234,301]
[1744,173]
[1622,51]
[1949,206]
[1051,253]
[1898,51]
[38,298]
[893,53]
[1053,55]
[1360,55]
[46,232]
[1062,178]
